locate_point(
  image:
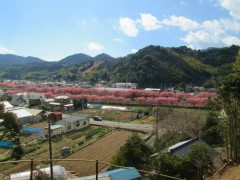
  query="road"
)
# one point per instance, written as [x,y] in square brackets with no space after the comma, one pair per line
[130,126]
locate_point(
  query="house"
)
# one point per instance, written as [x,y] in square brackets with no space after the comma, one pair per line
[59,103]
[75,122]
[184,147]
[27,99]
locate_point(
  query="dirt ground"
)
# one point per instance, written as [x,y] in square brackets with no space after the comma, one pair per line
[232,173]
[102,150]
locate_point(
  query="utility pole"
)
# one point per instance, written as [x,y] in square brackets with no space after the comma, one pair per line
[50,147]
[157,120]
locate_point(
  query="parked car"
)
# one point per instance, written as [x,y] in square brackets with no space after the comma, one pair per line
[97,118]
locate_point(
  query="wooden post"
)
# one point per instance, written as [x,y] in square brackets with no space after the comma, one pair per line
[96,169]
[31,173]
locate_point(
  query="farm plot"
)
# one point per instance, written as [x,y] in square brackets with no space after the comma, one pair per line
[39,149]
[102,150]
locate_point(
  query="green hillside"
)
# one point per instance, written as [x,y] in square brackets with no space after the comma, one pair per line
[152,66]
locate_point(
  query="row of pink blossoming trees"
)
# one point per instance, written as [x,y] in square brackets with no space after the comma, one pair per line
[124,97]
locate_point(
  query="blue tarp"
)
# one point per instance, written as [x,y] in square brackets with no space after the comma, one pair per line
[32,130]
[123,174]
[95,105]
[6,144]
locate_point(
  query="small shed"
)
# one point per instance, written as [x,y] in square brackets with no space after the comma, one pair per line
[55,129]
[130,173]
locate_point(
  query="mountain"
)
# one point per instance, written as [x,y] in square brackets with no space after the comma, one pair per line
[10,59]
[151,66]
[103,57]
[156,66]
[76,58]
[82,58]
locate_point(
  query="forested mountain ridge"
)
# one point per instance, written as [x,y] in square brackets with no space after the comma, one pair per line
[151,66]
[11,59]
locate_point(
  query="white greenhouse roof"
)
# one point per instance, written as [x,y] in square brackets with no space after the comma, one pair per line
[7,104]
[20,113]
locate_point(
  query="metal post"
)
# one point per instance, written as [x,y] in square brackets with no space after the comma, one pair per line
[31,173]
[50,147]
[96,169]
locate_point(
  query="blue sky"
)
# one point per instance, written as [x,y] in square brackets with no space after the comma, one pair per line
[54,29]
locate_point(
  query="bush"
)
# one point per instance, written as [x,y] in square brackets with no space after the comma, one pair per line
[81,143]
[76,136]
[93,132]
[29,149]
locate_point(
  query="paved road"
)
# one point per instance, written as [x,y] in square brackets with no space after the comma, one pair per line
[130,126]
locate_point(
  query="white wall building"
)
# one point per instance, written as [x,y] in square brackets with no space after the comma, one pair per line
[74,122]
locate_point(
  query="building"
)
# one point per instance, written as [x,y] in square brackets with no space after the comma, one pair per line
[130,173]
[27,99]
[74,122]
[126,85]
[7,105]
[55,130]
[183,148]
[25,115]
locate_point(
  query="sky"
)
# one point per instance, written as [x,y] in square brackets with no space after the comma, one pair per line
[54,29]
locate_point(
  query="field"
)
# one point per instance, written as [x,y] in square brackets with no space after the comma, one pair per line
[102,150]
[94,148]
[37,147]
[111,115]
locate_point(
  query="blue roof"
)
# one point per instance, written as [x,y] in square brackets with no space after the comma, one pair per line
[123,174]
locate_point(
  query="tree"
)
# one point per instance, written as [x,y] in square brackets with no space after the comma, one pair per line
[191,166]
[12,128]
[134,153]
[229,98]
[212,133]
[236,67]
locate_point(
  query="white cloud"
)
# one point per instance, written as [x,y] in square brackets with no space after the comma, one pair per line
[4,50]
[118,40]
[149,22]
[230,24]
[128,27]
[95,46]
[232,6]
[231,40]
[134,50]
[179,21]
[213,33]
